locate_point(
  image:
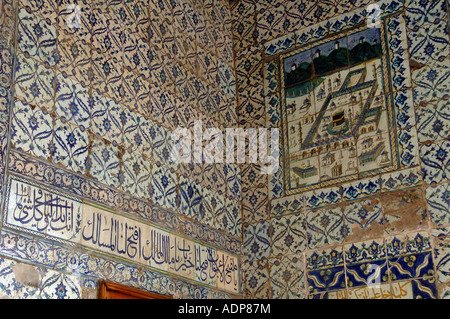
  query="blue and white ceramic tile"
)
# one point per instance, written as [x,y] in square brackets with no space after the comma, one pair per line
[272,110]
[401,179]
[438,199]
[435,162]
[325,270]
[287,279]
[442,253]
[322,197]
[233,179]
[408,148]
[135,55]
[136,132]
[133,91]
[431,81]
[398,46]
[31,130]
[37,37]
[106,118]
[213,208]
[433,121]
[72,101]
[164,184]
[136,172]
[362,188]
[363,213]
[70,146]
[56,285]
[276,188]
[257,241]
[162,146]
[418,13]
[232,220]
[190,198]
[325,226]
[256,283]
[34,82]
[288,234]
[365,251]
[430,42]
[105,163]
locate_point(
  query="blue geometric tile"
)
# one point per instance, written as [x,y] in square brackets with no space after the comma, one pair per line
[438,199]
[411,266]
[104,163]
[424,288]
[325,271]
[435,162]
[31,130]
[72,101]
[70,146]
[362,274]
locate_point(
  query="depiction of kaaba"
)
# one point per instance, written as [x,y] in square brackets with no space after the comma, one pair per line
[336,110]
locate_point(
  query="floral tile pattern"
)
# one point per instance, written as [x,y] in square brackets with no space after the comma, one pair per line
[435,162]
[104,163]
[164,187]
[31,130]
[72,101]
[289,236]
[97,89]
[34,82]
[438,199]
[37,37]
[136,175]
[287,278]
[70,146]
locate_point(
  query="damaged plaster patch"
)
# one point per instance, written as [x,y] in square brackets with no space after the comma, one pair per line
[26,275]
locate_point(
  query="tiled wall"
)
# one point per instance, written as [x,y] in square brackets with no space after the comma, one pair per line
[86,116]
[89,97]
[326,239]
